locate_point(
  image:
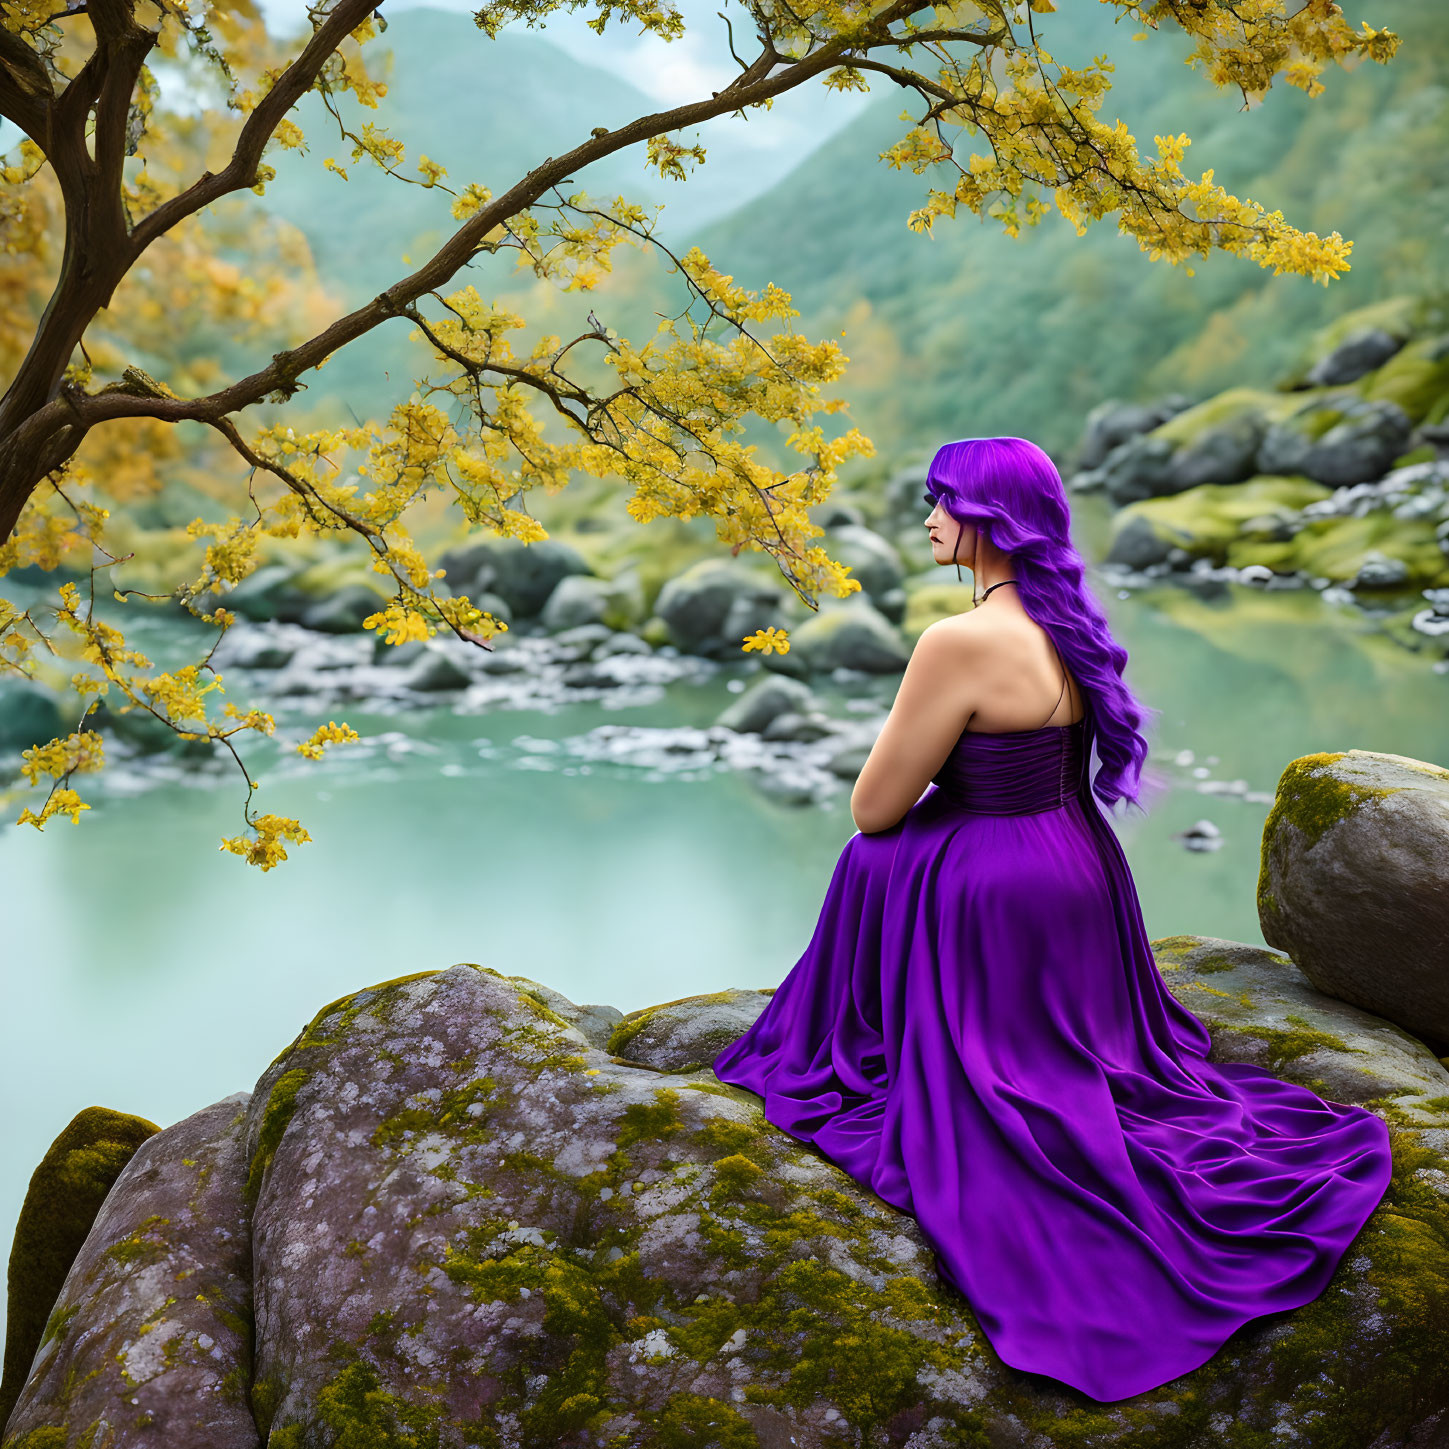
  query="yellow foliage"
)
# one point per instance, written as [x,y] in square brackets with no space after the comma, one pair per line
[331,733]
[494,420]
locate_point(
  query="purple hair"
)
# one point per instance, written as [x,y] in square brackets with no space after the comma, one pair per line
[1011,490]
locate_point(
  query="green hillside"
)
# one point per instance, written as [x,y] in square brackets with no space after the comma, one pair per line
[974,333]
[967,333]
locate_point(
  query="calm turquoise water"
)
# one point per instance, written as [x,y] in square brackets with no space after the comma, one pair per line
[150,972]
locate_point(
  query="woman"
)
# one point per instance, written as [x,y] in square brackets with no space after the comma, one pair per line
[978,1031]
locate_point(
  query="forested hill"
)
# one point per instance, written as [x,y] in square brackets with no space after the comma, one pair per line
[973,332]
[967,333]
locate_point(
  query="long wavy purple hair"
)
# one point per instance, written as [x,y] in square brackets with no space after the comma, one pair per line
[1011,490]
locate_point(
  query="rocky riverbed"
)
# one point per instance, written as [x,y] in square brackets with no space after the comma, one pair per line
[1336,480]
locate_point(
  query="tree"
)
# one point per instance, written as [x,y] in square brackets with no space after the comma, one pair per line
[75,78]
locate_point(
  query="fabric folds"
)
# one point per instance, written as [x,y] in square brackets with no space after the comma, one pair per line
[978,1032]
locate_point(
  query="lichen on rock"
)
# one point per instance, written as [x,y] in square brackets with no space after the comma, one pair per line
[472,1226]
[65,1194]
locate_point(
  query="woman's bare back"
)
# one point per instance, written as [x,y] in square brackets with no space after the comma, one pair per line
[1019,675]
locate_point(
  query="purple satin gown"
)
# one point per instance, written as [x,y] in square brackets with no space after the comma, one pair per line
[978,1033]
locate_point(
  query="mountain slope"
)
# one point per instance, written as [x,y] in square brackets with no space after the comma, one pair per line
[974,333]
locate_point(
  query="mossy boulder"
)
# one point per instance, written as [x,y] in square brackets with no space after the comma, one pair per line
[1354,882]
[468,1226]
[688,1034]
[845,634]
[1339,438]
[1208,520]
[1261,1009]
[65,1194]
[149,1341]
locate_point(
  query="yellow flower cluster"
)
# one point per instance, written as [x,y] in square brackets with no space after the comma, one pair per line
[768,641]
[266,849]
[331,733]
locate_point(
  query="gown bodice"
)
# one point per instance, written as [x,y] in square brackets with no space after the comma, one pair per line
[1016,772]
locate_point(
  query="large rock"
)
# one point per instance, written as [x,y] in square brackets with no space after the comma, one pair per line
[713,606]
[1357,354]
[848,635]
[270,592]
[1337,439]
[763,701]
[29,715]
[1354,882]
[470,1226]
[523,575]
[1261,1009]
[150,1340]
[872,560]
[65,1194]
[582,599]
[344,611]
[1112,423]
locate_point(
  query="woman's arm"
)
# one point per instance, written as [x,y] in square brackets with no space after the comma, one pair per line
[932,705]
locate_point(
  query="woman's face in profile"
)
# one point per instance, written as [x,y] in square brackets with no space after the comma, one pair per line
[943,530]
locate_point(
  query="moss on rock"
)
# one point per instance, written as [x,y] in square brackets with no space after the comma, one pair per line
[66,1192]
[1208,520]
[1313,800]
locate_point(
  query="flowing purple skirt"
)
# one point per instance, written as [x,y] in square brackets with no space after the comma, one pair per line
[978,1033]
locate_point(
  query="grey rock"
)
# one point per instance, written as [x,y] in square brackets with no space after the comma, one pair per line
[848,635]
[583,639]
[688,1034]
[800,727]
[491,603]
[261,653]
[622,643]
[150,1338]
[1355,882]
[462,1208]
[344,611]
[576,599]
[1226,453]
[892,605]
[1139,468]
[871,559]
[763,701]
[712,606]
[1360,446]
[1296,1031]
[397,655]
[905,492]
[525,574]
[29,715]
[1268,528]
[469,569]
[1112,423]
[847,763]
[269,593]
[437,672]
[588,674]
[1379,571]
[1138,543]
[837,515]
[1359,353]
[595,1021]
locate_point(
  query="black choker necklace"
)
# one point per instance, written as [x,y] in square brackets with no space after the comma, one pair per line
[997,586]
